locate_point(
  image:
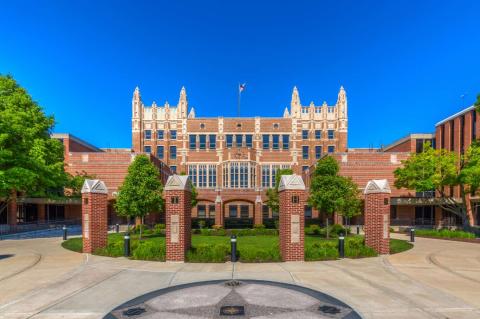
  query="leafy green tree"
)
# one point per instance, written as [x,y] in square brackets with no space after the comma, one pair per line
[30,161]
[439,170]
[332,193]
[272,193]
[141,191]
[75,183]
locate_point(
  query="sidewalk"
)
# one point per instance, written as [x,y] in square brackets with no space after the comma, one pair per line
[436,279]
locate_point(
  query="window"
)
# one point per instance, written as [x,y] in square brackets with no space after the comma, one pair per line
[318,134]
[160,152]
[285,142]
[295,199]
[238,140]
[442,139]
[318,152]
[232,210]
[452,135]
[265,213]
[474,126]
[269,172]
[331,134]
[147,149]
[202,141]
[305,152]
[244,211]
[160,134]
[148,134]
[173,152]
[248,140]
[393,212]
[304,168]
[275,141]
[202,126]
[212,142]
[305,134]
[462,133]
[201,211]
[202,176]
[173,135]
[239,175]
[192,142]
[265,175]
[331,149]
[212,175]
[308,211]
[229,140]
[211,211]
[174,200]
[266,141]
[173,168]
[192,174]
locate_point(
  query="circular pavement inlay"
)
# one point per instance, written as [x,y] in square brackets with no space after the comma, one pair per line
[240,299]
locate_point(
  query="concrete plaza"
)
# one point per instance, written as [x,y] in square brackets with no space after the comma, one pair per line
[436,279]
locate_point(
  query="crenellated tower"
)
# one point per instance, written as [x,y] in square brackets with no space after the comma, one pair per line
[182,106]
[137,119]
[295,105]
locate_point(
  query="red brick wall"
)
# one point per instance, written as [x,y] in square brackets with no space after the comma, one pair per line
[288,250]
[177,251]
[375,211]
[95,206]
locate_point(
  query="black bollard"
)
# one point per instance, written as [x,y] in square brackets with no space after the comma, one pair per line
[233,243]
[412,234]
[64,232]
[126,245]
[358,230]
[341,246]
[117,228]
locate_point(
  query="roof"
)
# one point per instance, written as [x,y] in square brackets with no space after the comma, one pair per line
[409,137]
[76,139]
[468,109]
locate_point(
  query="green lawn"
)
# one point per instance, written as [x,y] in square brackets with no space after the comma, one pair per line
[249,248]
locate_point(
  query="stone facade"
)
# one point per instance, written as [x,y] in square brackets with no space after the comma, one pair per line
[377,216]
[292,198]
[94,215]
[178,217]
[234,160]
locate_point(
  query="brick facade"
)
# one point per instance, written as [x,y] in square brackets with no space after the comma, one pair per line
[292,198]
[94,215]
[377,216]
[178,217]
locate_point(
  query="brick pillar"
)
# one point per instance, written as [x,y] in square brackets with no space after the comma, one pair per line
[178,216]
[41,213]
[377,216]
[292,197]
[94,215]
[258,215]
[12,209]
[218,211]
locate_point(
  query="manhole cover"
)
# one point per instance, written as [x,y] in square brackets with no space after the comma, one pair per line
[232,283]
[134,312]
[232,311]
[329,309]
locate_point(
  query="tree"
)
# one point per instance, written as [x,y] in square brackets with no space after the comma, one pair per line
[31,162]
[332,193]
[141,191]
[75,183]
[272,193]
[439,170]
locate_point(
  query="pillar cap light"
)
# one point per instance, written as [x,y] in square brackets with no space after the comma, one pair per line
[178,182]
[94,186]
[291,182]
[377,186]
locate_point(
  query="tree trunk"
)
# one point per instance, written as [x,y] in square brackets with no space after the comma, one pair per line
[141,228]
[466,208]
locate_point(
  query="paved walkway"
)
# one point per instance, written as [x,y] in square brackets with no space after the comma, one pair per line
[436,279]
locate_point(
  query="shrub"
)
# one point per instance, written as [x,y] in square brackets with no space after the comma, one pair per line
[201,224]
[217,227]
[355,248]
[208,253]
[259,226]
[259,254]
[277,224]
[444,233]
[314,230]
[136,229]
[323,250]
[159,229]
[148,250]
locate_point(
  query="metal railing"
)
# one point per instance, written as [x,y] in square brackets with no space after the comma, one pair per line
[6,229]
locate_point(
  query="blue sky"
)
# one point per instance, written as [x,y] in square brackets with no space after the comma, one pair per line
[404,64]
